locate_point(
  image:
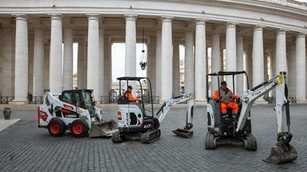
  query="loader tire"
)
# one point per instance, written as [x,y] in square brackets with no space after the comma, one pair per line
[79,128]
[210,141]
[116,137]
[56,127]
[250,143]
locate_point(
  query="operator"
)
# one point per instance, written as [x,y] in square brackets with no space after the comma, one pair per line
[226,98]
[129,95]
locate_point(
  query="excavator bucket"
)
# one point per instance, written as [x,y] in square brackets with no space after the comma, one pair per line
[281,153]
[185,132]
[103,129]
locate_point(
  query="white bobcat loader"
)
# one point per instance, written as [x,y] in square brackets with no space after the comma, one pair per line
[73,110]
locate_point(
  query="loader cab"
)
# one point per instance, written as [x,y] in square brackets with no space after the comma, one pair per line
[82,98]
[134,109]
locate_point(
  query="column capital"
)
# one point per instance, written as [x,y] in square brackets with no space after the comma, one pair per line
[200,21]
[93,16]
[280,30]
[231,24]
[131,17]
[56,16]
[258,28]
[301,35]
[167,18]
[20,16]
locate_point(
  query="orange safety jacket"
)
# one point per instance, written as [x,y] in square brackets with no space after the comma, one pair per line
[130,96]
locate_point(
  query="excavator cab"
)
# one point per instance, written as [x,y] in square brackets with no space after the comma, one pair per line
[135,115]
[223,115]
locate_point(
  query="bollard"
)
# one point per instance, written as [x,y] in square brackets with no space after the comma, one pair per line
[7,113]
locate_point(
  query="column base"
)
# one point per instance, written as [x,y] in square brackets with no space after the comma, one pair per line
[19,101]
[301,101]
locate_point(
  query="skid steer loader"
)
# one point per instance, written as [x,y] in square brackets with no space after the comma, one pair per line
[73,110]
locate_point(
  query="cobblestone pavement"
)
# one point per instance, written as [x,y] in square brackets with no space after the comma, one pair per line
[24,147]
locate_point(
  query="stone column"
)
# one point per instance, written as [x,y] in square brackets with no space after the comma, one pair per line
[166,59]
[158,63]
[189,76]
[102,60]
[265,63]
[130,60]
[240,52]
[231,53]
[258,60]
[30,64]
[46,65]
[200,61]
[21,60]
[68,59]
[55,57]
[273,64]
[82,69]
[7,58]
[108,67]
[151,63]
[249,64]
[38,63]
[281,56]
[300,68]
[291,58]
[176,71]
[93,55]
[216,59]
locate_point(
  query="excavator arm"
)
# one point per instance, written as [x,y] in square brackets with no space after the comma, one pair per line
[278,82]
[164,109]
[281,152]
[185,132]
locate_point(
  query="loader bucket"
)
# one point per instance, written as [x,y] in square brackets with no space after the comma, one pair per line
[281,153]
[103,129]
[185,133]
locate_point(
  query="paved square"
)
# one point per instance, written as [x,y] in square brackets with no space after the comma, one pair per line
[24,147]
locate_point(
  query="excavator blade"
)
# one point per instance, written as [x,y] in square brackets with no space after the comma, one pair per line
[281,153]
[103,129]
[185,133]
